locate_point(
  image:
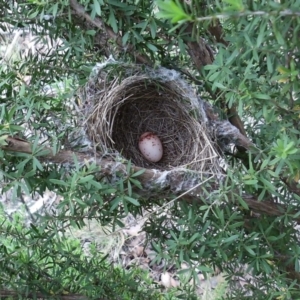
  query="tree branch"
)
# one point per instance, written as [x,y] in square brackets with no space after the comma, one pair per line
[202,55]
[199,51]
[16,295]
[185,183]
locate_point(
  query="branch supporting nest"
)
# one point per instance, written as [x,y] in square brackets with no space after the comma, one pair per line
[184,183]
[16,295]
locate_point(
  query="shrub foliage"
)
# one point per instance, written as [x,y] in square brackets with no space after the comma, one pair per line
[241,56]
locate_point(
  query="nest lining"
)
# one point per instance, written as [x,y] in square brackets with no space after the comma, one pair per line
[123,109]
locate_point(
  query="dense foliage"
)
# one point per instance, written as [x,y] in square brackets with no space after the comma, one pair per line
[250,71]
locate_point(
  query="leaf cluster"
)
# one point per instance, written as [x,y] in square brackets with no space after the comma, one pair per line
[36,260]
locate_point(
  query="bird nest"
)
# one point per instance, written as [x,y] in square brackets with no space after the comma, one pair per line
[122,102]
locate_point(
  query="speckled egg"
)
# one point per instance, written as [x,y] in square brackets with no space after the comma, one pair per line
[151,146]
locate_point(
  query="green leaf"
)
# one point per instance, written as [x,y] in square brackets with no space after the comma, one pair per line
[125,38]
[237,225]
[204,269]
[129,188]
[128,167]
[121,185]
[194,237]
[172,10]
[268,184]
[211,67]
[261,35]
[115,203]
[42,152]
[136,183]
[91,32]
[297,265]
[151,47]
[261,96]
[243,203]
[214,76]
[137,36]
[234,5]
[251,182]
[80,202]
[122,5]
[231,239]
[204,207]
[112,21]
[132,200]
[110,191]
[20,166]
[85,179]
[3,141]
[219,85]
[250,251]
[37,164]
[153,28]
[97,7]
[138,173]
[270,64]
[96,184]
[265,162]
[54,9]
[205,215]
[59,182]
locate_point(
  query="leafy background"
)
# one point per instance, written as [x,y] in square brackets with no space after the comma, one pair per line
[247,67]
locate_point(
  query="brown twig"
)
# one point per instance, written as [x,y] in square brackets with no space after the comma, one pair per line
[199,51]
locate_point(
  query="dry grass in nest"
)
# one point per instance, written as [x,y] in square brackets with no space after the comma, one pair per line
[123,109]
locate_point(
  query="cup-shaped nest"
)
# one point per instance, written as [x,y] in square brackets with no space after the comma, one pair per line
[124,109]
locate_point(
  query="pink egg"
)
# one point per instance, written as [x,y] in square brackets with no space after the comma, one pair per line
[151,147]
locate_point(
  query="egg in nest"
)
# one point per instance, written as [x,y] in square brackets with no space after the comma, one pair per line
[151,146]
